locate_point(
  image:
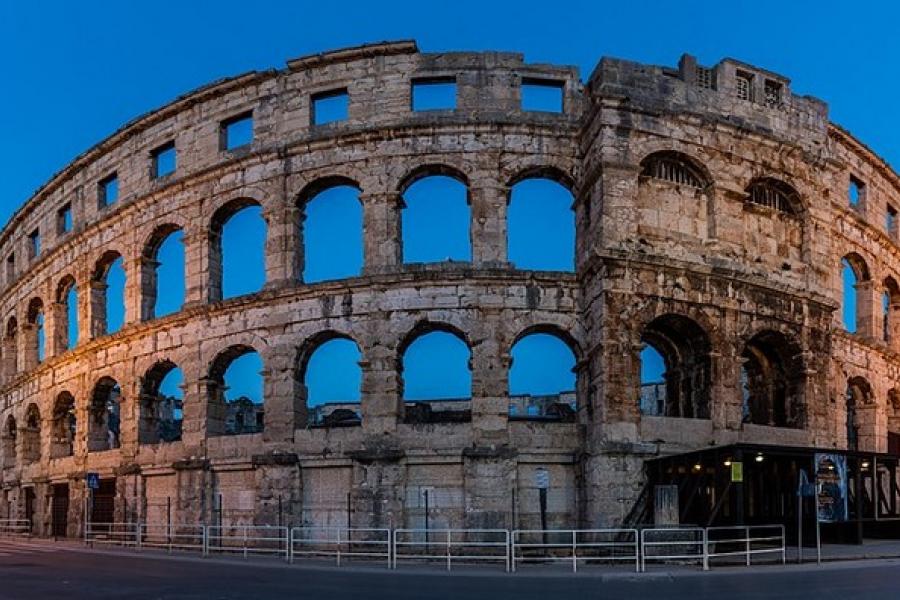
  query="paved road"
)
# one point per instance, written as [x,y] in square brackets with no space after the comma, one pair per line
[37,571]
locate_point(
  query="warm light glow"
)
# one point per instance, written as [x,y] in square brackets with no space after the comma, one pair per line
[727,462]
[759,457]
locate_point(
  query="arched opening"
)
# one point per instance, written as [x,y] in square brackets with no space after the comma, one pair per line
[66,316]
[674,167]
[237,250]
[10,435]
[11,349]
[542,378]
[332,231]
[37,338]
[775,194]
[162,404]
[859,401]
[235,393]
[104,426]
[108,295]
[772,380]
[65,422]
[31,435]
[331,380]
[683,387]
[856,303]
[162,273]
[436,377]
[541,225]
[435,219]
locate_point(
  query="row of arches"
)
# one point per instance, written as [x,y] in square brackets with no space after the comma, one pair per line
[436,219]
[434,365]
[869,308]
[676,374]
[683,170]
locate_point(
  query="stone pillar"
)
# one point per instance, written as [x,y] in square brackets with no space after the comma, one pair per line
[489,476]
[283,246]
[133,296]
[490,373]
[30,350]
[285,409]
[78,494]
[193,424]
[893,326]
[379,488]
[489,200]
[196,277]
[149,286]
[212,407]
[866,313]
[382,237]
[194,501]
[279,496]
[97,308]
[382,402]
[58,328]
[129,416]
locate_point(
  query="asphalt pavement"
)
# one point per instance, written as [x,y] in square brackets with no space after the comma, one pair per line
[38,571]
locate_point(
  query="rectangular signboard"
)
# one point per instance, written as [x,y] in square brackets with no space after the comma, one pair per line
[831,488]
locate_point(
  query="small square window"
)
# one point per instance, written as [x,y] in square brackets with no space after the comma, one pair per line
[434,94]
[542,96]
[773,93]
[164,160]
[237,132]
[891,221]
[856,192]
[34,243]
[108,191]
[330,107]
[64,219]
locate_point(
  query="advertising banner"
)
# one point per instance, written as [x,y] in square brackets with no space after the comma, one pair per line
[831,488]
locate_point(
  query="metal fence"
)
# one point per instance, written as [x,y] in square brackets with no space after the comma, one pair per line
[341,543]
[674,544]
[449,545]
[745,542]
[576,547]
[15,527]
[586,545]
[248,539]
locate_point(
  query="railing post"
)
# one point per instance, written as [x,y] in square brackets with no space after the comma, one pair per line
[393,552]
[508,549]
[205,540]
[138,527]
[448,550]
[747,536]
[637,552]
[705,551]
[783,547]
[339,546]
[574,551]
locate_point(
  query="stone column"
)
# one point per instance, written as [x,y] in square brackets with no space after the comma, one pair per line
[382,403]
[196,277]
[382,241]
[279,496]
[97,308]
[866,313]
[490,370]
[148,286]
[489,200]
[129,415]
[283,246]
[285,410]
[58,327]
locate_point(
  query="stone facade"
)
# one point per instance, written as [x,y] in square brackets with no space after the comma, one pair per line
[674,245]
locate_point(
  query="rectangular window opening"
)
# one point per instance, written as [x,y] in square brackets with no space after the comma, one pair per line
[541,95]
[11,267]
[34,243]
[237,131]
[64,219]
[434,94]
[744,85]
[108,191]
[773,93]
[856,192]
[705,78]
[164,160]
[891,221]
[330,107]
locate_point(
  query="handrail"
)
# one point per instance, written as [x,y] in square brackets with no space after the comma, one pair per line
[341,542]
[747,541]
[447,545]
[676,545]
[576,545]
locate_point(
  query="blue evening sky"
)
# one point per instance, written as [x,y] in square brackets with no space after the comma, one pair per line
[74,72]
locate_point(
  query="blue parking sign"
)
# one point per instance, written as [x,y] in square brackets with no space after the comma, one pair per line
[93,481]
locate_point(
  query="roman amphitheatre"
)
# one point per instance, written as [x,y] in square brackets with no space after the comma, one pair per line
[715,216]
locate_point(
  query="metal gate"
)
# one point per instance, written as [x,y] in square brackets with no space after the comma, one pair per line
[60,513]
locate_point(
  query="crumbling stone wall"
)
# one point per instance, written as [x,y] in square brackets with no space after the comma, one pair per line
[645,248]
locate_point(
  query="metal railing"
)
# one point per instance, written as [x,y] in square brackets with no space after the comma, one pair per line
[248,539]
[448,545]
[573,545]
[341,543]
[745,541]
[118,534]
[173,537]
[15,527]
[673,544]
